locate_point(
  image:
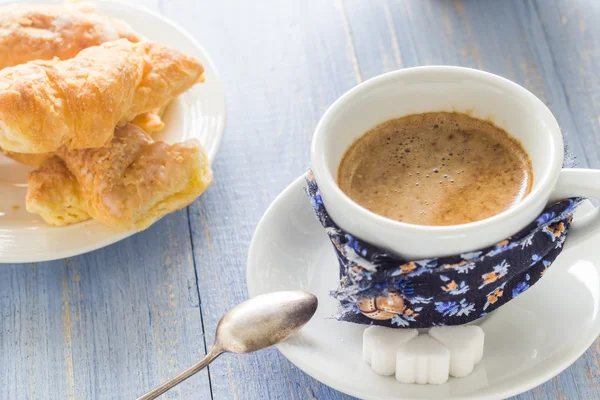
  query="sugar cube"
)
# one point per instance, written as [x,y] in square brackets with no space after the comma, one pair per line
[380,345]
[465,344]
[422,360]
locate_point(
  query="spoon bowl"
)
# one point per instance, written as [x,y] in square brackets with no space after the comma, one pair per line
[253,325]
[264,320]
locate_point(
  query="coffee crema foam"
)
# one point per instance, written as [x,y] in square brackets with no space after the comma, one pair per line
[436,168]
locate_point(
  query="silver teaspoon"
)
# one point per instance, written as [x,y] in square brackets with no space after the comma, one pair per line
[255,324]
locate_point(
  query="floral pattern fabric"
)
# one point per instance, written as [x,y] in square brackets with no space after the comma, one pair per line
[379,287]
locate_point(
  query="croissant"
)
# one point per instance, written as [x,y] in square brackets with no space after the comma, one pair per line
[42,32]
[129,183]
[78,102]
[47,31]
[150,122]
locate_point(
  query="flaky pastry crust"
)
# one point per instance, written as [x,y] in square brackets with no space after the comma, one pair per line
[129,183]
[42,32]
[150,122]
[77,103]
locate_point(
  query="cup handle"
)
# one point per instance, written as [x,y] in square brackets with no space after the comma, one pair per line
[579,182]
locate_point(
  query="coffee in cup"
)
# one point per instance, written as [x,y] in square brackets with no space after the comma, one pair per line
[436,168]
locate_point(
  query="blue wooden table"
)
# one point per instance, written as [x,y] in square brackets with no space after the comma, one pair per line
[115,322]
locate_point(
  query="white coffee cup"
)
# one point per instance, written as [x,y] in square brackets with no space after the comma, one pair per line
[445,88]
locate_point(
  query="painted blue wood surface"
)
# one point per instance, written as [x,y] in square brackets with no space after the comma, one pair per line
[110,324]
[282,65]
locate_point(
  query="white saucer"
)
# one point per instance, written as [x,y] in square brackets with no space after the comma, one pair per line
[528,341]
[198,113]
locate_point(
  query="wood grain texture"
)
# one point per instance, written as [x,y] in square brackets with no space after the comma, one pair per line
[282,65]
[572,32]
[573,35]
[113,323]
[106,325]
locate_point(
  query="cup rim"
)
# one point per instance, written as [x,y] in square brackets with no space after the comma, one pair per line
[325,179]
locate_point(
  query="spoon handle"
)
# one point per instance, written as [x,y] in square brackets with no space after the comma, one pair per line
[213,353]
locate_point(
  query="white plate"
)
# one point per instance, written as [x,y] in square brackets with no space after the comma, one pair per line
[199,113]
[528,341]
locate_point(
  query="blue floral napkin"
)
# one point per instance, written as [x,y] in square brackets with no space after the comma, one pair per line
[378,287]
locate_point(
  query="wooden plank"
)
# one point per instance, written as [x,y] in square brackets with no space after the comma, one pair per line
[107,325]
[572,31]
[282,64]
[110,324]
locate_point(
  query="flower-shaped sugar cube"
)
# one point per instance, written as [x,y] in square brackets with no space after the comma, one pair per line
[380,345]
[422,360]
[465,344]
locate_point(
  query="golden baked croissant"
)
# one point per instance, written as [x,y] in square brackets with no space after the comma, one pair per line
[42,32]
[129,183]
[78,102]
[150,122]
